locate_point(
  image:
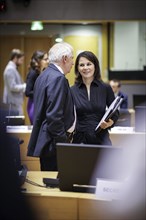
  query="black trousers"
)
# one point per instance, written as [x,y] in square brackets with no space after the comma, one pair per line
[102,138]
[48,163]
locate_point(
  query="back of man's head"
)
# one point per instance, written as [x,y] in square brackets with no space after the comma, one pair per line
[16,53]
[59,50]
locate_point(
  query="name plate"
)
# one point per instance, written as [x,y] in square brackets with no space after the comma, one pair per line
[19,129]
[108,189]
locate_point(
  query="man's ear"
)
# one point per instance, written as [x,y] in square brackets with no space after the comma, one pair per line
[64,58]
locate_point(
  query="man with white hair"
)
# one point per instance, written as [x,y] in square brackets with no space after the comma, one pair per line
[54,114]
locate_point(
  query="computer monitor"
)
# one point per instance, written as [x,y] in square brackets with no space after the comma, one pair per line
[10,117]
[15,120]
[139,100]
[124,119]
[79,165]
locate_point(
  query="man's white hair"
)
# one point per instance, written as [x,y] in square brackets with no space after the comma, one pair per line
[59,50]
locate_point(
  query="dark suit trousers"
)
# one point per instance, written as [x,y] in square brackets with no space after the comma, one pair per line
[48,163]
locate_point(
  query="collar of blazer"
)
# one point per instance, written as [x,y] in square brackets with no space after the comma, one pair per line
[58,67]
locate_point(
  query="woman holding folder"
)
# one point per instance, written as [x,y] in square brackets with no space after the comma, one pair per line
[92,97]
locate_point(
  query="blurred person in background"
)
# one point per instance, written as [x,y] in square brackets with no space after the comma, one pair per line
[14,204]
[39,61]
[132,204]
[116,87]
[14,87]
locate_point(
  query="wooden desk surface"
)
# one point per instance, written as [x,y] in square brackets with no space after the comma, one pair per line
[53,204]
[49,203]
[119,136]
[37,177]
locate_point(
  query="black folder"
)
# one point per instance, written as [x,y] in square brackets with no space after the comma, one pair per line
[110,112]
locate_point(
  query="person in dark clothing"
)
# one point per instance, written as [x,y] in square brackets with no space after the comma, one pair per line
[116,87]
[39,61]
[91,97]
[14,204]
[54,114]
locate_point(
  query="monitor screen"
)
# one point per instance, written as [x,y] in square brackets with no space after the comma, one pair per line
[139,100]
[79,165]
[9,116]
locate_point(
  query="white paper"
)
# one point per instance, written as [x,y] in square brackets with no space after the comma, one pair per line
[111,110]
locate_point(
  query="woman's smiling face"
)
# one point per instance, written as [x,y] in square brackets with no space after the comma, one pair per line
[86,68]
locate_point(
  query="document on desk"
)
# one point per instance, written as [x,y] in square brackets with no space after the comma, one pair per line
[110,111]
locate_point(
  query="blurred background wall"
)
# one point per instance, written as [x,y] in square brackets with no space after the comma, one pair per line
[115,30]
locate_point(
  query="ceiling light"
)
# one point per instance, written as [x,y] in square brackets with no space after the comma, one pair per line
[37,26]
[58,39]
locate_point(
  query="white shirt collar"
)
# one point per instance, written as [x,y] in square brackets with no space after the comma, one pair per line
[58,67]
[12,64]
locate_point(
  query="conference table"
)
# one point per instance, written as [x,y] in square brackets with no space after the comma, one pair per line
[53,204]
[120,136]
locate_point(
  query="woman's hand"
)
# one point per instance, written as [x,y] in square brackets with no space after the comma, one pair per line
[107,124]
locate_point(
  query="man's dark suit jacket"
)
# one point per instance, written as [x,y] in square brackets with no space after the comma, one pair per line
[53,111]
